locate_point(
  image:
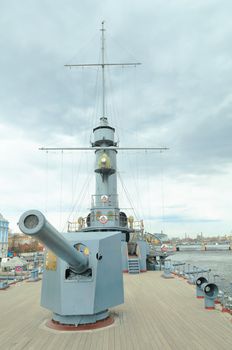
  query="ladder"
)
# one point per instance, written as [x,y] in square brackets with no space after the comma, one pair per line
[133,265]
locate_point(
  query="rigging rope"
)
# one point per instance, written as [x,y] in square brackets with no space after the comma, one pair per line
[94,114]
[127,195]
[162,189]
[46,185]
[80,198]
[61,188]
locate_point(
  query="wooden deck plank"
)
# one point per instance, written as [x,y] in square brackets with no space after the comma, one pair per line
[157,314]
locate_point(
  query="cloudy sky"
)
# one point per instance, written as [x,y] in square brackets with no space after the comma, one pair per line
[179,97]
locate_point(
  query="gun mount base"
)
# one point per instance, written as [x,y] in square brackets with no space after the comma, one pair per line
[82,327]
[80,322]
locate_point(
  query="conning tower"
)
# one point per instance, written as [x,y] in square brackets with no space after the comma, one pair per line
[105,213]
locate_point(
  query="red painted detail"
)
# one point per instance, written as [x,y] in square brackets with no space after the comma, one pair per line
[83,327]
[217,302]
[209,307]
[224,309]
[200,297]
[103,219]
[125,271]
[164,248]
[38,279]
[143,270]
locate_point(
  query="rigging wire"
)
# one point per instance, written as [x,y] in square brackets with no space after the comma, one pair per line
[115,114]
[148,195]
[111,102]
[121,47]
[162,190]
[80,199]
[84,189]
[61,188]
[127,195]
[94,114]
[82,49]
[46,185]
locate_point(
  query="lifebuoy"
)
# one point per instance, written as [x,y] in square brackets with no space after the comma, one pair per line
[103,219]
[104,199]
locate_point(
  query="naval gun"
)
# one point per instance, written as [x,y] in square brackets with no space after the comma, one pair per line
[82,276]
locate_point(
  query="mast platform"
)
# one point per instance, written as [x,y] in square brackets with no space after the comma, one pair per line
[157,314]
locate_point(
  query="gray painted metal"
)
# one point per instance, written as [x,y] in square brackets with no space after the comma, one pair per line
[84,294]
[76,295]
[34,275]
[100,64]
[103,148]
[3,285]
[106,204]
[133,265]
[167,273]
[199,283]
[142,255]
[81,319]
[167,270]
[210,292]
[33,223]
[124,252]
[192,272]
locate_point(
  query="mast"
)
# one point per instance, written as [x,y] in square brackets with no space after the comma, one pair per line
[103,69]
[105,213]
[103,64]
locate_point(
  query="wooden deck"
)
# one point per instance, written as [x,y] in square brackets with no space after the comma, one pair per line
[157,314]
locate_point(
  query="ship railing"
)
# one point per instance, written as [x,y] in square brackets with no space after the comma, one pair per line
[78,225]
[91,220]
[192,273]
[104,201]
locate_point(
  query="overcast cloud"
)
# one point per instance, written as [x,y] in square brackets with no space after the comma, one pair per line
[179,97]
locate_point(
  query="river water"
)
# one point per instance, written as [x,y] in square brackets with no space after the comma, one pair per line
[220,263]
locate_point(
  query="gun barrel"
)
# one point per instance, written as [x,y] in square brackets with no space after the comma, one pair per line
[34,223]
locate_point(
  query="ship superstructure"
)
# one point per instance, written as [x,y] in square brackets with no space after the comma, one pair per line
[105,213]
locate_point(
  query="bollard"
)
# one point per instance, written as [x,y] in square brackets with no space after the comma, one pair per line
[34,276]
[220,293]
[3,285]
[167,270]
[167,273]
[226,304]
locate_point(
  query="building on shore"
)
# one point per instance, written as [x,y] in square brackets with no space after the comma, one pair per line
[20,243]
[4,229]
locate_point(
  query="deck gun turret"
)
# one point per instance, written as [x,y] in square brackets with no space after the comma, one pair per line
[82,276]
